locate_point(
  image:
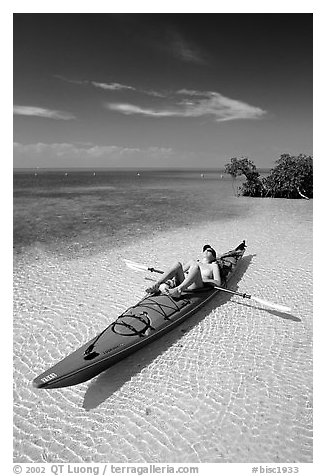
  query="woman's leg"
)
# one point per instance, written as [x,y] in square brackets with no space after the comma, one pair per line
[176,271]
[192,280]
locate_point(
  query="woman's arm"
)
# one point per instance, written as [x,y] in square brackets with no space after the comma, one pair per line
[186,266]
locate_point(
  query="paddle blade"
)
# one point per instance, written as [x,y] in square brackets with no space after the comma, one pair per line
[135,266]
[278,307]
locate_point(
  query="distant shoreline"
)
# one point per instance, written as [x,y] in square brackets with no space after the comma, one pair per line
[129,169]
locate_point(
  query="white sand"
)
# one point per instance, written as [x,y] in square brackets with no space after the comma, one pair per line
[233,383]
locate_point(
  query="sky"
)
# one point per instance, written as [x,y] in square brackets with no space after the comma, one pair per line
[161,90]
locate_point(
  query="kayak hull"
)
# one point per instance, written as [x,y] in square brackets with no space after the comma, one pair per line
[139,325]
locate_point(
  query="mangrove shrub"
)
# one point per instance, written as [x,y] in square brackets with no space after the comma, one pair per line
[292,177]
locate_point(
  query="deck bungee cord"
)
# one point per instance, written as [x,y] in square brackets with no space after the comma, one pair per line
[147,303]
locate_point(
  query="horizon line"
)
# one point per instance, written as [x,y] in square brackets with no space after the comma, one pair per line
[202,169]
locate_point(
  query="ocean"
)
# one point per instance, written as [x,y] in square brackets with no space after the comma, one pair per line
[82,212]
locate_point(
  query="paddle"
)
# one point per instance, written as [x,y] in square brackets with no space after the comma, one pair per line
[279,307]
[141,267]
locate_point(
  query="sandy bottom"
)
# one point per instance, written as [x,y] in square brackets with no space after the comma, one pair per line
[233,383]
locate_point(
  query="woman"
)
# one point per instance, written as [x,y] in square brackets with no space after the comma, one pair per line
[194,275]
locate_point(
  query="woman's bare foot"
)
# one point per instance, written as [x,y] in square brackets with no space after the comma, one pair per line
[174,292]
[164,288]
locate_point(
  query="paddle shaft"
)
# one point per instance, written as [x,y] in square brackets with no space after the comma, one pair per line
[279,307]
[244,295]
[153,270]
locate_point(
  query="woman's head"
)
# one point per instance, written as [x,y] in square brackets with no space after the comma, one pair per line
[209,253]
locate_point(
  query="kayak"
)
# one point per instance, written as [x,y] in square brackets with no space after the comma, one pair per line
[150,318]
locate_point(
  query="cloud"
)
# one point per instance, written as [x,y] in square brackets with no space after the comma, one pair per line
[112,86]
[42,112]
[66,149]
[195,104]
[184,103]
[130,109]
[183,50]
[83,155]
[115,87]
[124,87]
[96,84]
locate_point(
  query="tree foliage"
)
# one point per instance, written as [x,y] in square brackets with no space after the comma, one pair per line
[244,166]
[292,177]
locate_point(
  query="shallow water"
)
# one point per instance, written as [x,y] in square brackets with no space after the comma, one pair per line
[82,213]
[233,383]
